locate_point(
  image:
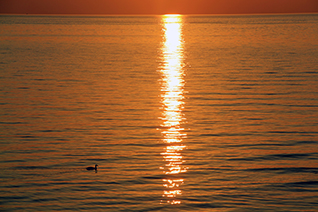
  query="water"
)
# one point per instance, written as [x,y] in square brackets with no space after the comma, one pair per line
[181,113]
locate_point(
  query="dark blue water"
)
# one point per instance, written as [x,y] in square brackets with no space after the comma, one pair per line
[183,113]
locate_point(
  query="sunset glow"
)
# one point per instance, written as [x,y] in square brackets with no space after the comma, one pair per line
[181,109]
[157,6]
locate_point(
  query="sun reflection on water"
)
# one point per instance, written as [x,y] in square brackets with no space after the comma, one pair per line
[172,89]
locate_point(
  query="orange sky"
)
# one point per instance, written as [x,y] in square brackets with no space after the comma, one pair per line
[157,6]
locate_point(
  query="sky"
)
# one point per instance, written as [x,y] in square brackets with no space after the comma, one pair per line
[157,6]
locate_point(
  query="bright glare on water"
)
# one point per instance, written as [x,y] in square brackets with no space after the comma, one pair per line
[172,101]
[181,113]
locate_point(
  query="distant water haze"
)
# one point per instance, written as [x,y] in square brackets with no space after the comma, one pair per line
[181,113]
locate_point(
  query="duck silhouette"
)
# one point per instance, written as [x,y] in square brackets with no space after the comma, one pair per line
[92,168]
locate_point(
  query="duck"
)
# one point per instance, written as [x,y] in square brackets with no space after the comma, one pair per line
[92,168]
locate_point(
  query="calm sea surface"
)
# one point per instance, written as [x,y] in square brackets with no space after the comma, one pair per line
[181,113]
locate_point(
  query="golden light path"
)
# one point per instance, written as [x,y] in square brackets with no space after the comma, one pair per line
[172,89]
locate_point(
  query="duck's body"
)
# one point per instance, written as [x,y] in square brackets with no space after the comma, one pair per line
[92,168]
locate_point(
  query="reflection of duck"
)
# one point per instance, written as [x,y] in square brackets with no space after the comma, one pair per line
[92,168]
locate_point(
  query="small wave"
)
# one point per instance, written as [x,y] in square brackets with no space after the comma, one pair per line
[203,205]
[154,177]
[276,157]
[293,132]
[286,170]
[31,167]
[226,134]
[303,184]
[30,172]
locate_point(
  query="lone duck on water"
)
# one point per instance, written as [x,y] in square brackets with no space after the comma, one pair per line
[92,168]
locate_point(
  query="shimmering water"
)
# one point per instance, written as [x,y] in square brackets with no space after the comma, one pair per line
[181,113]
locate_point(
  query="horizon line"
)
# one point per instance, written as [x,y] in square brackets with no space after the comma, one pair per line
[159,14]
